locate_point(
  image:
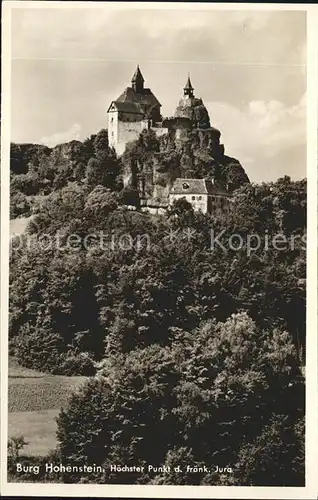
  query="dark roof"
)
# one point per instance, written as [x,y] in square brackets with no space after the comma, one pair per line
[137,75]
[145,97]
[128,107]
[188,85]
[195,186]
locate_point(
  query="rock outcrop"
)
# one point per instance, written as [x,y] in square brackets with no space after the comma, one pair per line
[197,153]
[190,149]
[193,109]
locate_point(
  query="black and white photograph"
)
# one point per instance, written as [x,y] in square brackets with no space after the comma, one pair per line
[157,322]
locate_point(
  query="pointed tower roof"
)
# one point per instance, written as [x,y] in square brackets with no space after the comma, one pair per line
[188,85]
[137,75]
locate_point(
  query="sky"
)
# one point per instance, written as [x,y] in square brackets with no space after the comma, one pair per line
[249,67]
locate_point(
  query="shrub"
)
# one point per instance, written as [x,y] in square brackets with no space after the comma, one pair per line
[19,205]
[129,196]
[40,349]
[15,445]
[38,461]
[81,364]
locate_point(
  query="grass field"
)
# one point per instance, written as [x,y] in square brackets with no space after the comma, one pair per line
[18,226]
[38,429]
[34,400]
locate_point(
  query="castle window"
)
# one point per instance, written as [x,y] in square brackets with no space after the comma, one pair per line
[193,197]
[199,197]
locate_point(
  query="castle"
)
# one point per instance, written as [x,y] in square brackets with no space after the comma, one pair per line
[137,109]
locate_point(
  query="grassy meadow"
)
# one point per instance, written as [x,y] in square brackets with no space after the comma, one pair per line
[34,400]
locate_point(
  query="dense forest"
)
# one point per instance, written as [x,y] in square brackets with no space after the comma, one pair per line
[194,345]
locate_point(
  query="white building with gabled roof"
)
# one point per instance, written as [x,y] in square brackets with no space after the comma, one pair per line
[203,194]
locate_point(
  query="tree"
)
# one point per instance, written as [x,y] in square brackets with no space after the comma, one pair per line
[127,423]
[263,461]
[160,274]
[216,395]
[103,171]
[129,196]
[15,445]
[100,143]
[183,210]
[79,172]
[100,202]
[19,204]
[57,316]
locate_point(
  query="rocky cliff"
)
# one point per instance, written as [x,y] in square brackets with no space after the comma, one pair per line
[34,157]
[152,164]
[190,149]
[37,169]
[193,109]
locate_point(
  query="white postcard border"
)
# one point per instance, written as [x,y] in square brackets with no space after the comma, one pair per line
[135,491]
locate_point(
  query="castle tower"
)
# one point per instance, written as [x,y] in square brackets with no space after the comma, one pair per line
[135,110]
[188,89]
[137,81]
[192,109]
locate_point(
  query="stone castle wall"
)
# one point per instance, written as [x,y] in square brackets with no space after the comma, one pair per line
[130,131]
[112,129]
[122,132]
[126,127]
